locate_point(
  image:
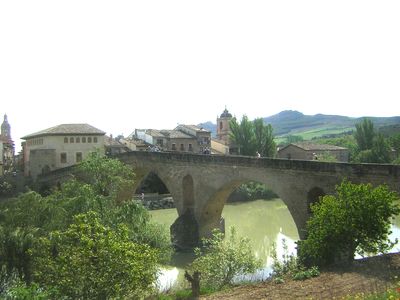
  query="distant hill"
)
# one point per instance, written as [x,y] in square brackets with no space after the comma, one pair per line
[294,122]
[291,122]
[209,126]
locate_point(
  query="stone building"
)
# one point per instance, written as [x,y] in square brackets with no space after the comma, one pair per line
[310,151]
[184,138]
[7,149]
[223,143]
[201,135]
[223,129]
[60,146]
[114,146]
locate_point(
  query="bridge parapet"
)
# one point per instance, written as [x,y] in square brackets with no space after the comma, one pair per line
[271,163]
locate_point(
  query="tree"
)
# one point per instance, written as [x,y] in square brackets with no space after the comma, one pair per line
[355,220]
[372,147]
[243,135]
[108,176]
[264,138]
[380,150]
[92,261]
[221,261]
[32,216]
[251,137]
[365,134]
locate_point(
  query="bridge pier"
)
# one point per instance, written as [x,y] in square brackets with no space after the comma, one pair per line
[186,232]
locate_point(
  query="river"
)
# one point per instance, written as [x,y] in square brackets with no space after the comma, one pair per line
[264,222]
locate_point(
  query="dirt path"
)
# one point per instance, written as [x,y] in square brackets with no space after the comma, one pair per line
[364,276]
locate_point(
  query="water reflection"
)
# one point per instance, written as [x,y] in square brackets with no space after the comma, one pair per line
[263,222]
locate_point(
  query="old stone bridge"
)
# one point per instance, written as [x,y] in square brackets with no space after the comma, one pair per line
[200,184]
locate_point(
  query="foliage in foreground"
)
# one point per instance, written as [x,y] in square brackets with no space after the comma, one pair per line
[289,265]
[221,260]
[89,260]
[356,220]
[32,217]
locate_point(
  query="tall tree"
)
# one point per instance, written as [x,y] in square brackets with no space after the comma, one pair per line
[381,150]
[243,135]
[252,137]
[365,134]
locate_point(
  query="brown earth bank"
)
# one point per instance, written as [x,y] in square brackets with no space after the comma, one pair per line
[369,275]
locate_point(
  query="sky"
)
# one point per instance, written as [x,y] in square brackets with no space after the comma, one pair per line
[121,65]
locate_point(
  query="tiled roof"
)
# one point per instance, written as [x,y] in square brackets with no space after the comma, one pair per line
[193,127]
[66,129]
[176,134]
[315,147]
[154,132]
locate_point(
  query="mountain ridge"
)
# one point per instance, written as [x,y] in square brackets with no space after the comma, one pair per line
[292,122]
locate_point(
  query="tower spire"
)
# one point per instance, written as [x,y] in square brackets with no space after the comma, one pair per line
[6,128]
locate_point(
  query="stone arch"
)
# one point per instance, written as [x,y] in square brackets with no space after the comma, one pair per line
[211,215]
[151,182]
[313,196]
[188,192]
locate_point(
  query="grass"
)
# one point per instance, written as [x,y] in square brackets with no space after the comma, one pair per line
[313,133]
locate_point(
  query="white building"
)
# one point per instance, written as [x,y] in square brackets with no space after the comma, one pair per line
[60,146]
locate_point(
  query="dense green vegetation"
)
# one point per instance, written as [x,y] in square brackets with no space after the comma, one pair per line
[367,144]
[252,137]
[221,260]
[355,220]
[251,191]
[85,240]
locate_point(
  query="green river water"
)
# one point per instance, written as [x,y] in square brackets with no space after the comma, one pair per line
[264,222]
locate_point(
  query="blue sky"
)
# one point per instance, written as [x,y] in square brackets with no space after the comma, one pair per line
[121,65]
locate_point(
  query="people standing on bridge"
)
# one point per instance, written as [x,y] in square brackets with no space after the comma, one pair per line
[258,154]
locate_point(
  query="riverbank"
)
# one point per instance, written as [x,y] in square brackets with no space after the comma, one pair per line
[369,275]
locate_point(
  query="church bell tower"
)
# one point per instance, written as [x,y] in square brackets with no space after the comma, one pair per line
[223,128]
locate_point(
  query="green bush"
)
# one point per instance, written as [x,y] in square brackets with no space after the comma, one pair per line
[32,217]
[221,260]
[356,220]
[91,261]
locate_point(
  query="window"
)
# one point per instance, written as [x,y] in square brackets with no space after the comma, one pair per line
[190,148]
[160,142]
[84,139]
[71,140]
[78,140]
[220,125]
[65,140]
[173,147]
[89,139]
[182,147]
[95,139]
[63,158]
[78,157]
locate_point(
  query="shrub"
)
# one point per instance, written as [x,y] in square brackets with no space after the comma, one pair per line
[91,261]
[220,261]
[356,220]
